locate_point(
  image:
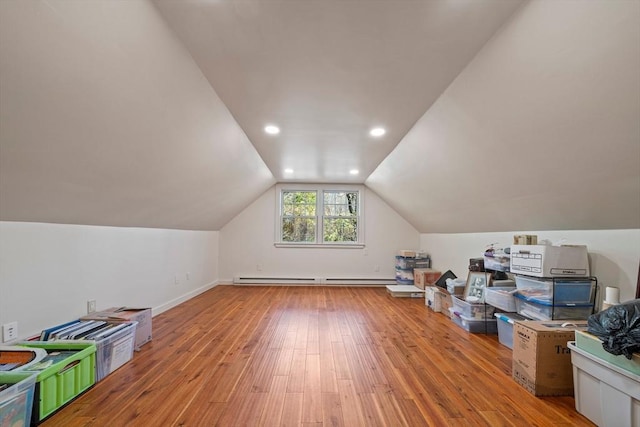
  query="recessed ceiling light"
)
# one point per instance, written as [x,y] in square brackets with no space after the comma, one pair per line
[288,170]
[272,129]
[354,171]
[377,132]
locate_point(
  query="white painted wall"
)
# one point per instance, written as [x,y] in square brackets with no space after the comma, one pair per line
[248,241]
[48,272]
[614,254]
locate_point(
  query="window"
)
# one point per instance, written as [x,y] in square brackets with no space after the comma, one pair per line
[319,215]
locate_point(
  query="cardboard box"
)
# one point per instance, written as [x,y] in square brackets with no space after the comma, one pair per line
[124,314]
[541,357]
[443,301]
[423,277]
[549,261]
[525,239]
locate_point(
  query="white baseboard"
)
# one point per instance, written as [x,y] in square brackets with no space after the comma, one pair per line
[182,298]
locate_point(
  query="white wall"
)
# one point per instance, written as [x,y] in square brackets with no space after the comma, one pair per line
[248,241]
[614,254]
[48,272]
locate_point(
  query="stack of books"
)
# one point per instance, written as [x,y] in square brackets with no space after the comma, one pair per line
[82,330]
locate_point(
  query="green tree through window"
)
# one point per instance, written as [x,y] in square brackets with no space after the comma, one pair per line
[320,216]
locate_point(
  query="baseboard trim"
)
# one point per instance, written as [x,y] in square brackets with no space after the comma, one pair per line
[182,298]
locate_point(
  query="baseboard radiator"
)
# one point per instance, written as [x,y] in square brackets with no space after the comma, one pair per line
[323,281]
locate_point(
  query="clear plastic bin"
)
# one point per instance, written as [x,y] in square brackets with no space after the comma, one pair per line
[537,309]
[497,263]
[505,327]
[561,290]
[472,310]
[501,297]
[16,401]
[474,326]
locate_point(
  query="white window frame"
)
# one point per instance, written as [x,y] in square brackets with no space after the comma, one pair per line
[319,189]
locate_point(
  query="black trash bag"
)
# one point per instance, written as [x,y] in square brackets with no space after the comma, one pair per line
[618,327]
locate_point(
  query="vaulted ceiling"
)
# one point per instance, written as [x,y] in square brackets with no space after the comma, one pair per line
[499,115]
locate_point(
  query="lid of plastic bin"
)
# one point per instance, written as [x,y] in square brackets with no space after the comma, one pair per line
[509,317]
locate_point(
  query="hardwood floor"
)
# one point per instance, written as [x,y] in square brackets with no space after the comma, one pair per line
[313,356]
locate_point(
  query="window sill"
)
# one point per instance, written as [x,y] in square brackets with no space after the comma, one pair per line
[320,246]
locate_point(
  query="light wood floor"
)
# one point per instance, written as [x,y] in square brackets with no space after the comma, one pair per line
[313,356]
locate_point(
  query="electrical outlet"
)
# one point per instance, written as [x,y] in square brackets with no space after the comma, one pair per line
[176,280]
[10,331]
[259,267]
[188,276]
[91,306]
[376,268]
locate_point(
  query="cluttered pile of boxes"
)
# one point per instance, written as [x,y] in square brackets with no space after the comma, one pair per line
[42,374]
[537,299]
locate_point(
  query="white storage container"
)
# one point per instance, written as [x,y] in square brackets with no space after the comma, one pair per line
[549,261]
[430,298]
[606,394]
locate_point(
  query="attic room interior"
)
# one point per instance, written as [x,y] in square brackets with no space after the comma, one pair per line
[150,151]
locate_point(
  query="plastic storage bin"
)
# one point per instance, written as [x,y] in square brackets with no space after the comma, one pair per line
[114,351]
[592,344]
[16,401]
[539,309]
[411,263]
[604,393]
[474,326]
[472,310]
[561,290]
[497,263]
[72,370]
[456,286]
[501,297]
[505,327]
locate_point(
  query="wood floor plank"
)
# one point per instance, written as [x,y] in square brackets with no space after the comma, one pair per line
[315,356]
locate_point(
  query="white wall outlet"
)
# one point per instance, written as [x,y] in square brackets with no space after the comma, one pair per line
[91,306]
[176,280]
[376,268]
[188,275]
[10,331]
[259,267]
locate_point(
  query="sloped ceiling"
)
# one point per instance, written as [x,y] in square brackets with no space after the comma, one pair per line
[500,115]
[541,131]
[107,120]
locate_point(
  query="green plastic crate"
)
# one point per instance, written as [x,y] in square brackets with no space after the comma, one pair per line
[64,380]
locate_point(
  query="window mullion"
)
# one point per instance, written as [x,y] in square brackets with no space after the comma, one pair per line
[319,216]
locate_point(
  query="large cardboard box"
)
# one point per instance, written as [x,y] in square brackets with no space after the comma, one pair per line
[130,314]
[549,261]
[541,357]
[423,277]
